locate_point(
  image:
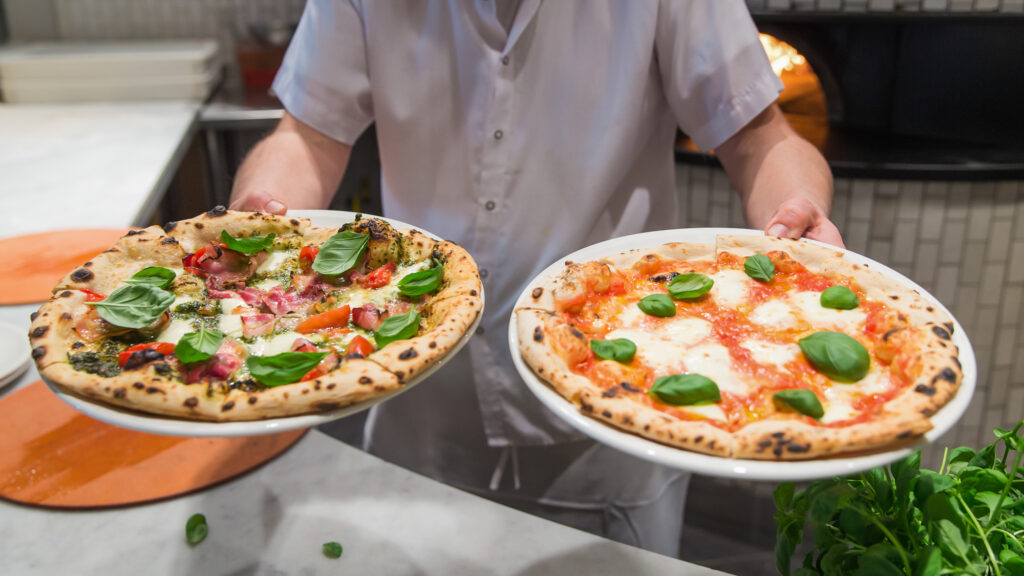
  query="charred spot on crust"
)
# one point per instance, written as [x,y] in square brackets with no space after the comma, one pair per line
[537,292]
[946,374]
[65,316]
[191,402]
[887,335]
[138,385]
[169,240]
[663,277]
[379,388]
[38,352]
[169,226]
[227,406]
[253,399]
[432,344]
[957,362]
[325,405]
[331,386]
[610,393]
[365,380]
[924,389]
[629,387]
[585,407]
[905,434]
[82,274]
[948,326]
[538,334]
[141,358]
[199,226]
[606,414]
[575,332]
[120,392]
[135,232]
[408,354]
[940,332]
[87,264]
[294,222]
[930,308]
[154,390]
[763,444]
[217,211]
[39,331]
[65,294]
[77,345]
[305,391]
[894,296]
[699,439]
[798,448]
[400,374]
[33,316]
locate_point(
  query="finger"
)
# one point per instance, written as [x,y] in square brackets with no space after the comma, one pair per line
[826,232]
[791,220]
[260,202]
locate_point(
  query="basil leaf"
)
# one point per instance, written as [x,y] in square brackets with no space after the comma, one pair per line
[759,267]
[836,355]
[332,549]
[802,400]
[619,349]
[249,245]
[839,298]
[658,305]
[198,346]
[284,368]
[196,529]
[690,286]
[341,252]
[401,327]
[134,305]
[685,390]
[154,276]
[422,282]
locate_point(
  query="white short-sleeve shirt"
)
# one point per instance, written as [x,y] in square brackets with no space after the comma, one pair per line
[527,143]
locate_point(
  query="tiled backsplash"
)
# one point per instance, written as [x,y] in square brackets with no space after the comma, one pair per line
[961,241]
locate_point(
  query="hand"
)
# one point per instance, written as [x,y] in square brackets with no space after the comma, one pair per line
[800,217]
[259,202]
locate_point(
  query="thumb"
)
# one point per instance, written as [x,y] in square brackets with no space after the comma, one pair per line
[792,218]
[259,202]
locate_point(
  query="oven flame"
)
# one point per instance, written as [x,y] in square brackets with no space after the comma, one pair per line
[784,58]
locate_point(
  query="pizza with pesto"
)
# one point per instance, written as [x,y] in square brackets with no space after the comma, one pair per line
[752,347]
[246,316]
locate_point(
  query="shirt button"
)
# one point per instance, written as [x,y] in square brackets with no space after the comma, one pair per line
[504,61]
[483,273]
[498,134]
[489,205]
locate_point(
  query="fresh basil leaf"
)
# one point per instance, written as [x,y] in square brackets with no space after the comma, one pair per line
[134,305]
[154,276]
[341,252]
[198,346]
[929,562]
[332,549]
[801,400]
[825,503]
[759,267]
[836,355]
[690,286]
[659,305]
[422,282]
[284,368]
[196,529]
[400,327]
[685,390]
[249,245]
[784,496]
[619,349]
[839,298]
[949,537]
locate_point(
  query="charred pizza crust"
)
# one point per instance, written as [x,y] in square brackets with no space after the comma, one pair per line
[918,341]
[152,387]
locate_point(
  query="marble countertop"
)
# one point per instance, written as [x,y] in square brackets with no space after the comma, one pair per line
[88,165]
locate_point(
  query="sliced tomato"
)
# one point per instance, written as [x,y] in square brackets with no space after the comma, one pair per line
[312,374]
[380,277]
[336,318]
[91,296]
[308,253]
[359,345]
[190,261]
[165,348]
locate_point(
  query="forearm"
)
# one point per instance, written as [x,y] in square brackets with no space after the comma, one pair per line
[295,165]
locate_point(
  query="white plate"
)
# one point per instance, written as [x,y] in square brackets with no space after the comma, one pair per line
[777,471]
[176,427]
[15,355]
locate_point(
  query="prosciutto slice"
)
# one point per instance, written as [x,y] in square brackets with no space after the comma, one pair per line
[256,324]
[226,268]
[218,367]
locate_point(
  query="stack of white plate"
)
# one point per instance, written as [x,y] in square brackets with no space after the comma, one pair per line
[92,72]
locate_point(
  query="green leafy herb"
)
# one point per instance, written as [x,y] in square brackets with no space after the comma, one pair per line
[967,518]
[619,349]
[250,245]
[839,298]
[284,368]
[401,327]
[658,305]
[685,390]
[836,355]
[198,346]
[690,286]
[196,529]
[759,267]
[154,276]
[341,252]
[422,282]
[802,400]
[332,549]
[134,305]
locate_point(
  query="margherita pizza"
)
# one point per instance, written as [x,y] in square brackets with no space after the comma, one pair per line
[756,347]
[244,316]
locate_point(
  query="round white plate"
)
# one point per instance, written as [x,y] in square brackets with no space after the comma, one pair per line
[15,354]
[778,471]
[176,427]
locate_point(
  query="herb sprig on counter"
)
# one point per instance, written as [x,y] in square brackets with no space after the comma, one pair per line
[967,518]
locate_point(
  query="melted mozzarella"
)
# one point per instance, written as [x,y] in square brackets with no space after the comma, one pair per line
[731,287]
[631,317]
[705,410]
[274,261]
[809,305]
[664,357]
[182,299]
[875,382]
[228,305]
[713,361]
[231,325]
[266,285]
[174,331]
[770,353]
[838,405]
[685,330]
[774,314]
[274,345]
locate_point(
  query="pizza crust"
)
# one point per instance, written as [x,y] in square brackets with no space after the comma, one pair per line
[135,250]
[194,233]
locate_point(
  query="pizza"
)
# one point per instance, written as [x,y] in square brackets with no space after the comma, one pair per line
[751,347]
[245,316]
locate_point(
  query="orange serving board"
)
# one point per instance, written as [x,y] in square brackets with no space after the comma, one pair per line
[52,455]
[34,263]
